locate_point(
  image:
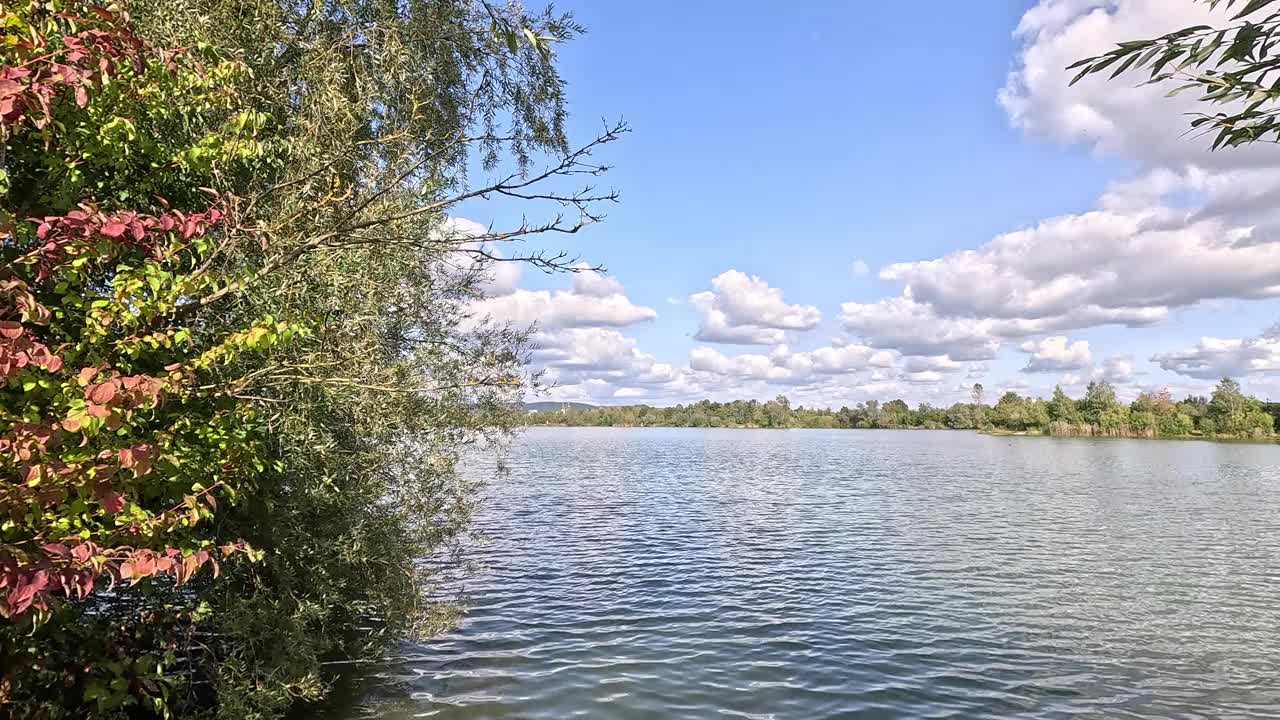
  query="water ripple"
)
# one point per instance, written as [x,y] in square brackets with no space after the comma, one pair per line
[810,574]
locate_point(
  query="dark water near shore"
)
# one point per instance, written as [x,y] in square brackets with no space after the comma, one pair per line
[864,574]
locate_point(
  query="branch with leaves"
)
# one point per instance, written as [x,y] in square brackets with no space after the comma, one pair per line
[1229,66]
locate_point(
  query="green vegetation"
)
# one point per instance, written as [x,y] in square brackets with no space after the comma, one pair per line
[1227,66]
[1227,414]
[236,366]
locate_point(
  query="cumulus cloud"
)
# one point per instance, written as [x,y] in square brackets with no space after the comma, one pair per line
[913,328]
[595,364]
[597,285]
[1111,116]
[1102,267]
[859,268]
[577,345]
[1057,354]
[1118,369]
[743,367]
[743,309]
[784,366]
[938,363]
[1189,227]
[592,301]
[1214,358]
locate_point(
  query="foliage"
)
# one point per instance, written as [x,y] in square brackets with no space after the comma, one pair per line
[116,435]
[301,336]
[1231,66]
[1150,415]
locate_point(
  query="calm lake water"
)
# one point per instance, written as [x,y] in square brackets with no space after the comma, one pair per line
[860,574]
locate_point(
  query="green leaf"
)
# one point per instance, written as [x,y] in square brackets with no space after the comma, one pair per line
[1251,7]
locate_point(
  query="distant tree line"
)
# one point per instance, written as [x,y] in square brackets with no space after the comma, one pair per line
[1228,412]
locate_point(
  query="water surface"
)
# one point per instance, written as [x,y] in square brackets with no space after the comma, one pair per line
[859,574]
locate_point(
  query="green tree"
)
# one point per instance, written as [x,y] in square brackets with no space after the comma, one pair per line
[1228,406]
[351,232]
[338,239]
[1099,402]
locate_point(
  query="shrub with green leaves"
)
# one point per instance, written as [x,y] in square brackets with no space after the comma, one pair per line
[119,436]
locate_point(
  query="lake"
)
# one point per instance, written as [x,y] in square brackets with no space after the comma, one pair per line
[655,573]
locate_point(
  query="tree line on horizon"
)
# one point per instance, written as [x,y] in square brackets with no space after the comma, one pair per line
[1227,412]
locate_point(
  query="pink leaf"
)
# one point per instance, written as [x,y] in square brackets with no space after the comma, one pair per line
[113,502]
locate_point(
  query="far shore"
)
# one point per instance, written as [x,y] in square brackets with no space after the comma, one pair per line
[994,432]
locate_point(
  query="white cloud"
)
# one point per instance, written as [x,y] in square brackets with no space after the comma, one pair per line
[938,363]
[743,367]
[1118,369]
[1102,267]
[1057,354]
[783,366]
[859,268]
[1214,358]
[594,364]
[498,277]
[594,284]
[716,328]
[914,329]
[593,301]
[1119,116]
[924,377]
[745,310]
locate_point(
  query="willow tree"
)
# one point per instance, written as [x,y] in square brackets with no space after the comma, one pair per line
[381,117]
[330,314]
[1234,66]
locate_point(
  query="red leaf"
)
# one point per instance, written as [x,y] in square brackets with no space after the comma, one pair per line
[82,97]
[113,502]
[82,552]
[56,549]
[103,393]
[10,329]
[113,229]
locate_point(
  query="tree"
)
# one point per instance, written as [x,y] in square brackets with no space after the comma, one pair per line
[1063,409]
[340,283]
[1228,406]
[1010,412]
[1099,401]
[1229,66]
[1233,412]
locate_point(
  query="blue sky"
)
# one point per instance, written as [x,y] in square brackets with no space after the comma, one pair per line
[788,146]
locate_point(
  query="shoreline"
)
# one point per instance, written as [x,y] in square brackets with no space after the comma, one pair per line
[995,432]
